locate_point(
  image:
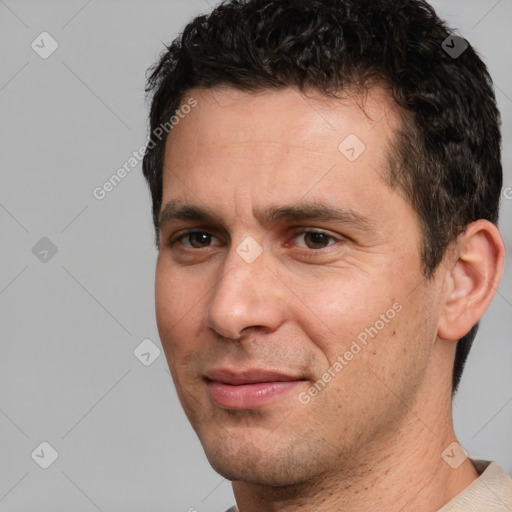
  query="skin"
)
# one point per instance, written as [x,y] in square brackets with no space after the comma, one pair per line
[305,299]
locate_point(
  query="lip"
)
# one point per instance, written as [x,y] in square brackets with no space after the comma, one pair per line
[248,389]
[248,376]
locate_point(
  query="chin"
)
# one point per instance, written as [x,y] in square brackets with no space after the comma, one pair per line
[271,467]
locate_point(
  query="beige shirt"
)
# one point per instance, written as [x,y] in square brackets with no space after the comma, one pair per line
[490,492]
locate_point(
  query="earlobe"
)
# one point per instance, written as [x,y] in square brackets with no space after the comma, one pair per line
[472,280]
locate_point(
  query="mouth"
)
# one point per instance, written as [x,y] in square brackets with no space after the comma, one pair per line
[248,389]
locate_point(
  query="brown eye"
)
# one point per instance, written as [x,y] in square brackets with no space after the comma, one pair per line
[314,239]
[194,240]
[198,239]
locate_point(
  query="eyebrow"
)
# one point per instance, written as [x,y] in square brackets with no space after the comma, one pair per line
[177,210]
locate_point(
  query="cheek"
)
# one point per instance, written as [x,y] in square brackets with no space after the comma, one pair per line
[377,327]
[343,311]
[178,306]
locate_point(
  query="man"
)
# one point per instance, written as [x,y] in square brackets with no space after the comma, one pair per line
[325,205]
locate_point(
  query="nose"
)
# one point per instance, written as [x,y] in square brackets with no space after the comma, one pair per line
[247,295]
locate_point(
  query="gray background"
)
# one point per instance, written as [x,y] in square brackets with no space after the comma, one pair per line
[69,326]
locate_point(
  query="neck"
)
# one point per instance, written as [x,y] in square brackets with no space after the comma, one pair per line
[403,470]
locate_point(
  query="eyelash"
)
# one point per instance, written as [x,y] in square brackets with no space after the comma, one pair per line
[302,231]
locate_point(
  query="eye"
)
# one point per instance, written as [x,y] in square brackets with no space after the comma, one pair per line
[194,239]
[311,239]
[314,239]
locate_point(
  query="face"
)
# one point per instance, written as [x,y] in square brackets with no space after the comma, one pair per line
[290,297]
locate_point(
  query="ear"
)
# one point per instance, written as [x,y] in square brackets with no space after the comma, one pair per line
[472,279]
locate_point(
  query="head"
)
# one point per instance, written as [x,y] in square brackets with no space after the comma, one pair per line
[274,89]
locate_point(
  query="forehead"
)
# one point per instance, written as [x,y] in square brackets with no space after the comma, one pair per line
[235,148]
[286,116]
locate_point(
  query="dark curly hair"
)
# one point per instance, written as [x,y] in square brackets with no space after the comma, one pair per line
[445,159]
